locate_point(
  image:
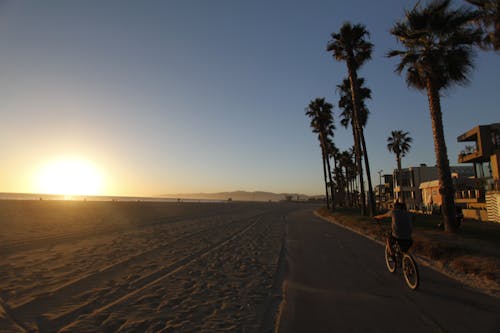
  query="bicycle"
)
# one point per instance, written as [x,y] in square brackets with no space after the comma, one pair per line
[395,257]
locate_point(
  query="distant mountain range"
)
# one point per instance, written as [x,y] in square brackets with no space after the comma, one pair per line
[241,196]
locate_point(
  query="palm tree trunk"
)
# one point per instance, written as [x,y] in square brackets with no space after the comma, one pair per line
[338,179]
[496,34]
[355,186]
[347,194]
[324,176]
[332,187]
[443,165]
[371,197]
[359,166]
[326,158]
[400,178]
[353,79]
[351,191]
[347,185]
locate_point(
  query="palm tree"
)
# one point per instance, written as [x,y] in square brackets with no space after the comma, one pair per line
[339,178]
[329,152]
[399,144]
[346,120]
[346,163]
[321,116]
[353,177]
[349,45]
[332,152]
[488,19]
[345,103]
[438,51]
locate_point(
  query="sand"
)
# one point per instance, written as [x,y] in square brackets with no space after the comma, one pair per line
[137,266]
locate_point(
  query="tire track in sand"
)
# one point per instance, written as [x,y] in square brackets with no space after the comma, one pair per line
[226,290]
[92,278]
[56,301]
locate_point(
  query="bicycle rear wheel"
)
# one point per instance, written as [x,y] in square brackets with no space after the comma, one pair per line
[390,260]
[410,272]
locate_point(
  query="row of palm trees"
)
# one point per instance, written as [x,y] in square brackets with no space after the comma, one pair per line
[438,44]
[350,46]
[340,181]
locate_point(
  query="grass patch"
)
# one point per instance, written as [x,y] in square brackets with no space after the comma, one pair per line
[488,231]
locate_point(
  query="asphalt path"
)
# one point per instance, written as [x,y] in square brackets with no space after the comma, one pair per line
[337,281]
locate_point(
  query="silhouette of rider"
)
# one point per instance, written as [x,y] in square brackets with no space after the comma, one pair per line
[401,227]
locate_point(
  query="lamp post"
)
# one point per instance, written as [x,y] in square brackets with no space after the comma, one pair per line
[380,189]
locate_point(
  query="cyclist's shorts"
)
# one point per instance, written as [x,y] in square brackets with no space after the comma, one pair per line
[404,244]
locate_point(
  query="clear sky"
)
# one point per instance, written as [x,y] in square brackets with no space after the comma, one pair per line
[204,96]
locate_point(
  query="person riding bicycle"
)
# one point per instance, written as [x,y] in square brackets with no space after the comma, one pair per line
[401,227]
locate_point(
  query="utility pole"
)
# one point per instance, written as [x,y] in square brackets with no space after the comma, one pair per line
[380,189]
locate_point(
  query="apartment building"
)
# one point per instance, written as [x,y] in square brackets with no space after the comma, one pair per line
[413,177]
[483,151]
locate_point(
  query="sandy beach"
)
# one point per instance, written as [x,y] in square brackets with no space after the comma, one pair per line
[137,266]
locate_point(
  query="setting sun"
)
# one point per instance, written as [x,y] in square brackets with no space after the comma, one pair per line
[70,176]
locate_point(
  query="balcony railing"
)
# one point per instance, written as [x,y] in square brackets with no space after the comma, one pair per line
[471,195]
[464,157]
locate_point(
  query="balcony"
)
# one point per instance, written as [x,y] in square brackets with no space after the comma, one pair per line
[482,143]
[474,156]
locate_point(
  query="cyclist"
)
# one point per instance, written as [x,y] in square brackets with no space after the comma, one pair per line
[401,227]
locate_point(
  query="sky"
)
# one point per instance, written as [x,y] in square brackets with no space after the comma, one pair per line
[205,96]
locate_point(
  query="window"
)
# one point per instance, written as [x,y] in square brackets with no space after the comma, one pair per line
[483,169]
[495,139]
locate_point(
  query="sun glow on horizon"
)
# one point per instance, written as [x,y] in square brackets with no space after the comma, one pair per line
[69,176]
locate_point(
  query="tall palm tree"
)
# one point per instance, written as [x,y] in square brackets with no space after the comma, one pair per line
[438,51]
[349,45]
[488,19]
[346,104]
[321,116]
[348,119]
[399,143]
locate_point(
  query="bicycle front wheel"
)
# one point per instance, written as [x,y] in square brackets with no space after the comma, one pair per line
[390,260]
[410,272]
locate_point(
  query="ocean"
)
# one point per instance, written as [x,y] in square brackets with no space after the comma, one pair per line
[37,196]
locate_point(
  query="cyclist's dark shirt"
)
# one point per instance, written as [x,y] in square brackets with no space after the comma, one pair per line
[401,224]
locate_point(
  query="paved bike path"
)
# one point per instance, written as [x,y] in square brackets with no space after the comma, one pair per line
[336,281]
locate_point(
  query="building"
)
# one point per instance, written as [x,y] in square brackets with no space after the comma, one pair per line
[483,151]
[389,187]
[467,193]
[413,177]
[384,195]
